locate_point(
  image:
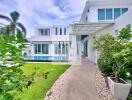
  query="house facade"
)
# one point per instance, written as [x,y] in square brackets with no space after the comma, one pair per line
[75,41]
[50,43]
[99,17]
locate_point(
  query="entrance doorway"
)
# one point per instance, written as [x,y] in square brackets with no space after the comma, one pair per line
[86,48]
[84,41]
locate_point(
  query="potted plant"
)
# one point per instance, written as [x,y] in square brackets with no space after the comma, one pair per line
[118,86]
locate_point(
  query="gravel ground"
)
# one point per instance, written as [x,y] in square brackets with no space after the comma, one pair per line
[102,88]
[55,91]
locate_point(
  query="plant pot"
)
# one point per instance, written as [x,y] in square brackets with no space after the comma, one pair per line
[119,90]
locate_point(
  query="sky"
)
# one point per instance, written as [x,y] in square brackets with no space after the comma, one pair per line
[35,13]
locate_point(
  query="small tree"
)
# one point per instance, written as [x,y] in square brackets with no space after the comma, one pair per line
[123,57]
[103,44]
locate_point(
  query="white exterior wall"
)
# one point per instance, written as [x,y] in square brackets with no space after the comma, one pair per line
[94,5]
[51,40]
[92,15]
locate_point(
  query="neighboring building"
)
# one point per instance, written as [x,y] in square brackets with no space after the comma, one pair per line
[99,17]
[49,44]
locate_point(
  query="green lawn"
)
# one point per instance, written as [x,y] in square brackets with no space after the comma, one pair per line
[39,88]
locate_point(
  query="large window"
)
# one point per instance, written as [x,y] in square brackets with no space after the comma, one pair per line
[45,31]
[61,48]
[45,48]
[109,14]
[41,48]
[101,14]
[117,12]
[57,48]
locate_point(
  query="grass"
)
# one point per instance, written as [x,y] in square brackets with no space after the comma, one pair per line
[39,88]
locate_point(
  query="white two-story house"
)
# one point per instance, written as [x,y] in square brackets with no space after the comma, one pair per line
[98,17]
[72,42]
[49,44]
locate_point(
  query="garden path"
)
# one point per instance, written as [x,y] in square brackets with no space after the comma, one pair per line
[81,85]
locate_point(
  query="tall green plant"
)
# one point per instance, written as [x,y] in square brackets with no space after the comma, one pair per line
[117,53]
[12,78]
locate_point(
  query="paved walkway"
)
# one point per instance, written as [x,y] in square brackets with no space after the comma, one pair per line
[81,85]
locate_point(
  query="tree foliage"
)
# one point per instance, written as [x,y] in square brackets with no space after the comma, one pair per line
[14,27]
[115,53]
[12,78]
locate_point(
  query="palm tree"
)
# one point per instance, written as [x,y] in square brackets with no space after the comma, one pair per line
[14,25]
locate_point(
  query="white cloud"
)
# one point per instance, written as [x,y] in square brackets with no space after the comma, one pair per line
[33,12]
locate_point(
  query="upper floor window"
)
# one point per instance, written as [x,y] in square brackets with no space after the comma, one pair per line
[56,30]
[101,14]
[64,31]
[41,31]
[117,12]
[124,10]
[47,31]
[44,31]
[110,13]
[60,31]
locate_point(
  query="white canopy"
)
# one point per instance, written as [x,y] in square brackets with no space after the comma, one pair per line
[89,27]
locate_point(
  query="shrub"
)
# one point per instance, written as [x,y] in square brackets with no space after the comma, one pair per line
[12,79]
[115,54]
[105,65]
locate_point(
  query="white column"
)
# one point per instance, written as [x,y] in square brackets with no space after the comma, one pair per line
[74,56]
[73,46]
[51,49]
[79,49]
[91,51]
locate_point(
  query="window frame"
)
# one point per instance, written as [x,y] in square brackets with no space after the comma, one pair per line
[119,15]
[113,13]
[106,13]
[101,14]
